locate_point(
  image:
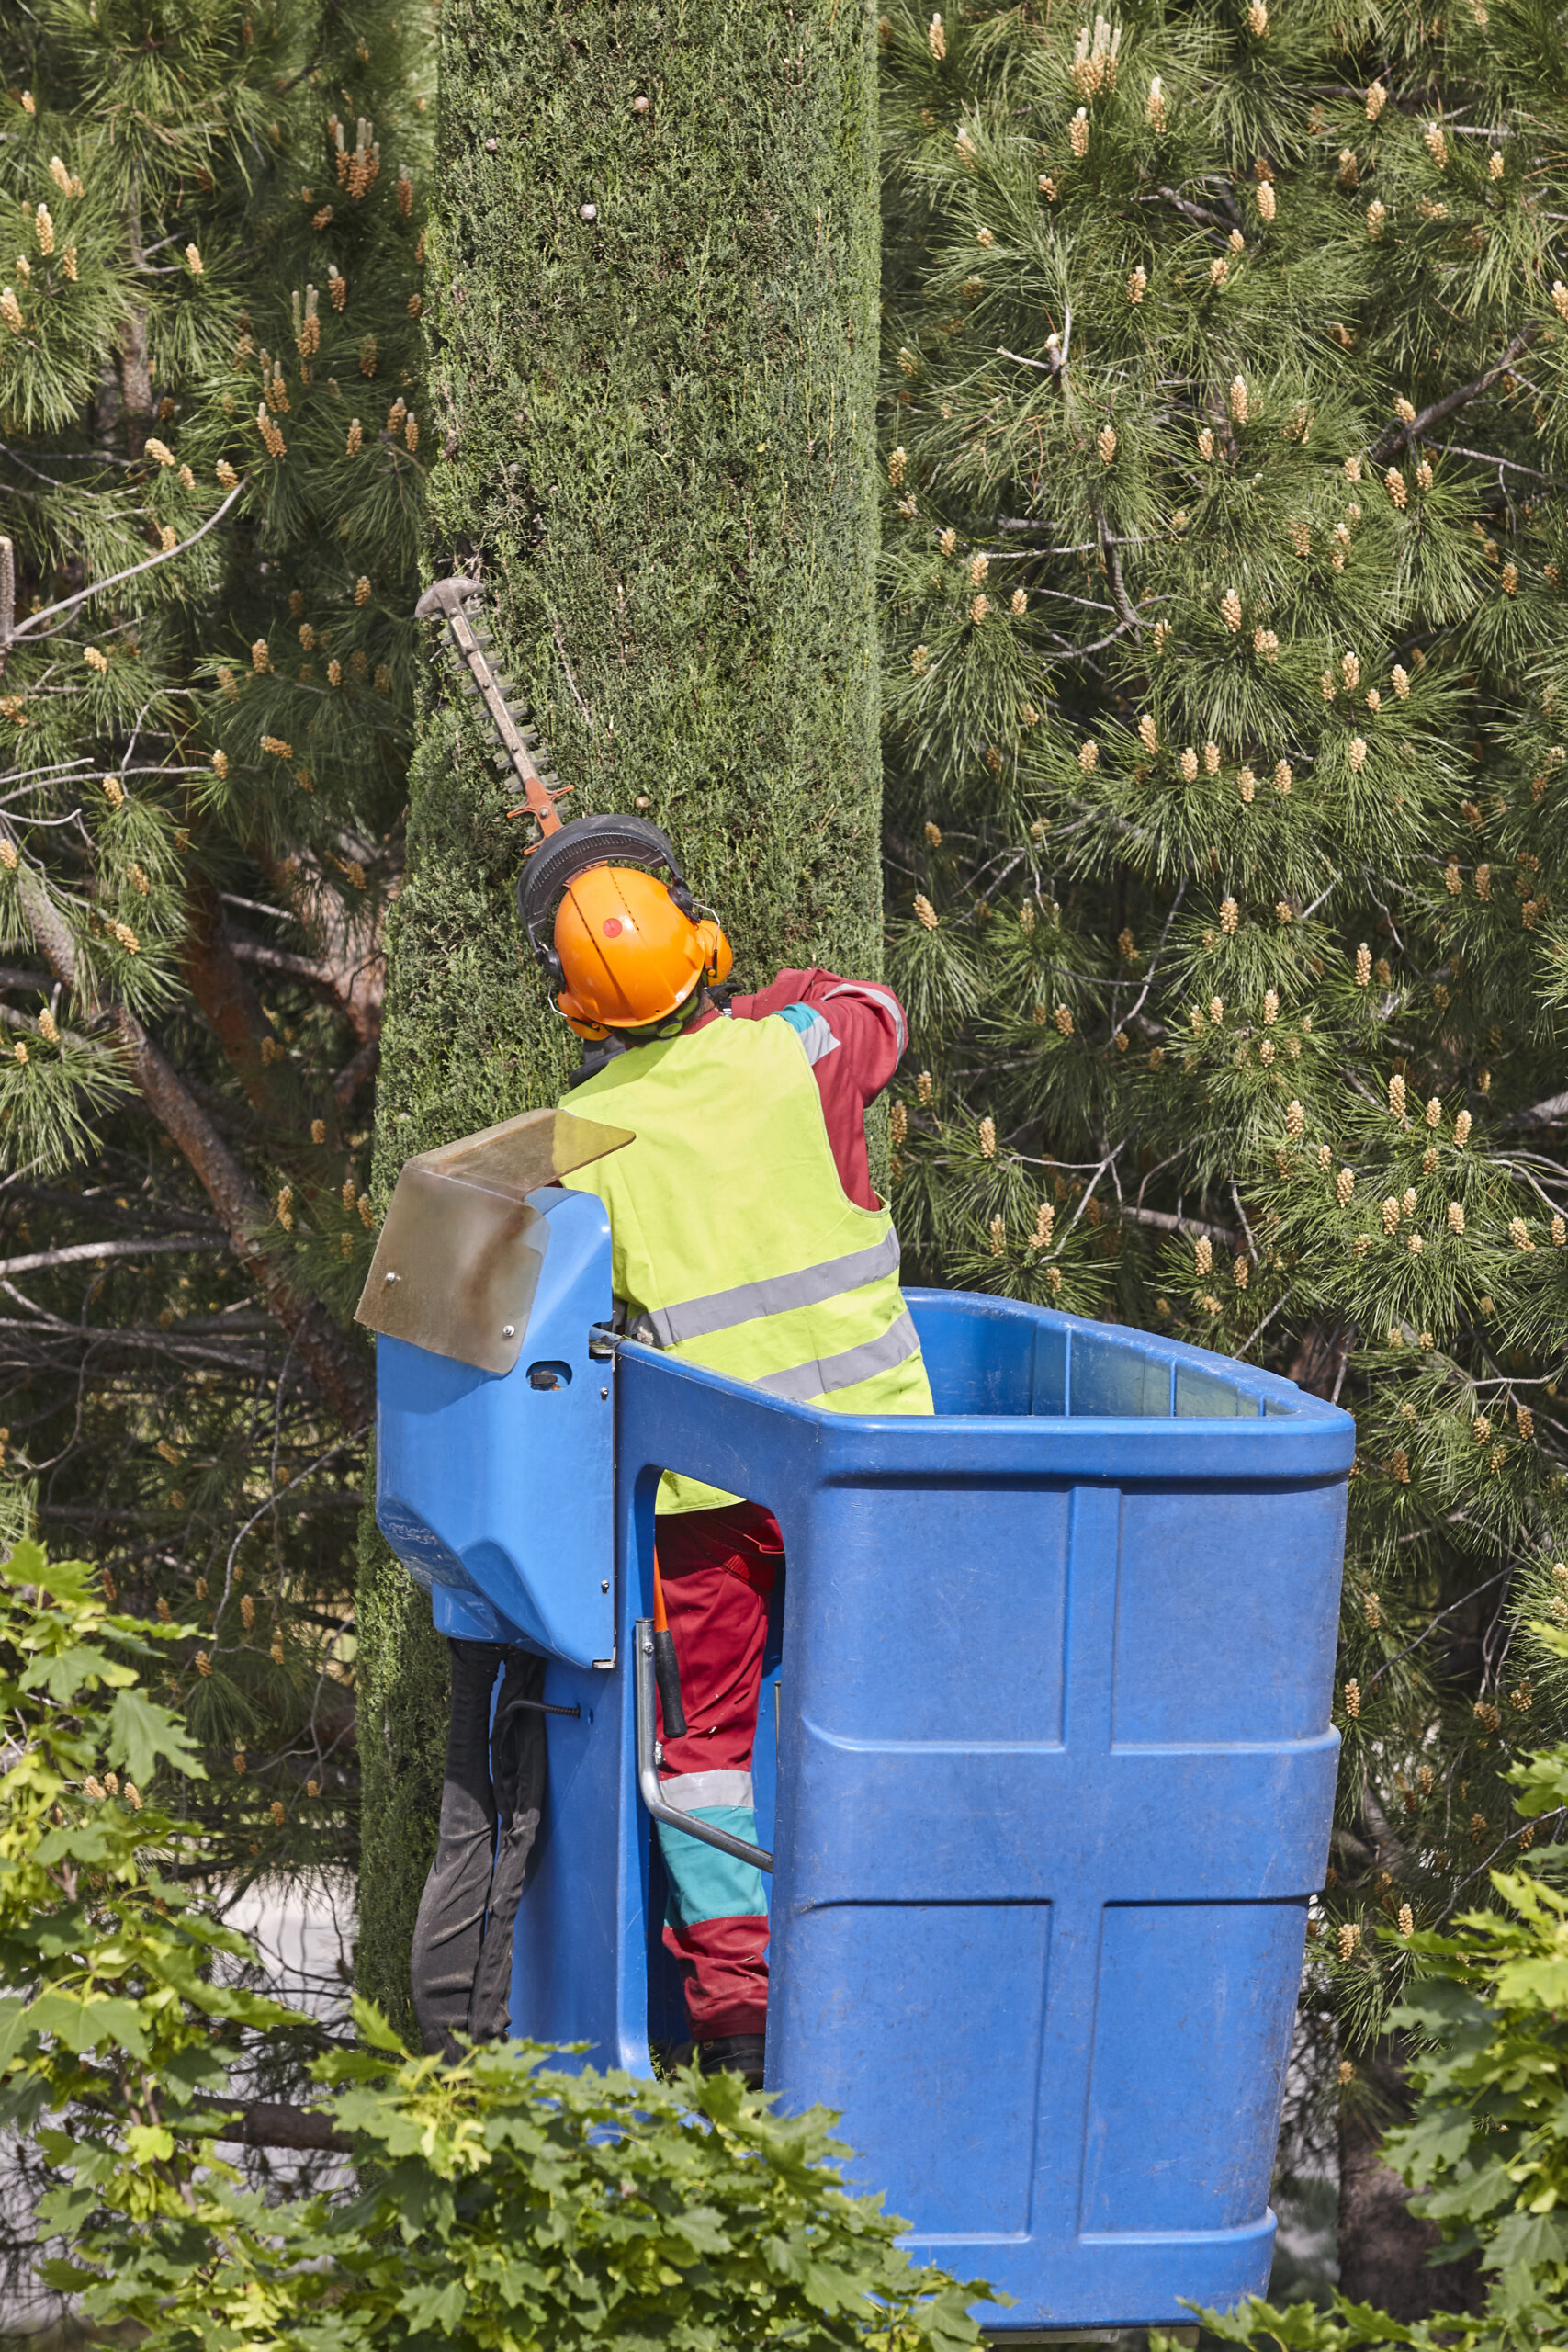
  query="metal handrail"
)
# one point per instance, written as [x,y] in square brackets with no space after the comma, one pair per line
[648,1765]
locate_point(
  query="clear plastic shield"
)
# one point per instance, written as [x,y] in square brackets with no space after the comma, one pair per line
[458,1258]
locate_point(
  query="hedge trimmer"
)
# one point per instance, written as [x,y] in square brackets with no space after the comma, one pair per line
[457,602]
[594,841]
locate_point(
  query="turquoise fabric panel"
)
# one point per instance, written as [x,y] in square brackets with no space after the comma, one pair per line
[705,1883]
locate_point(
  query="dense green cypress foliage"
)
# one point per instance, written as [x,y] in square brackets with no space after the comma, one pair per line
[210,257]
[653,290]
[1226,641]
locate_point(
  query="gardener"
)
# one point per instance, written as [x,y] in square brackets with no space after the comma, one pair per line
[746,1237]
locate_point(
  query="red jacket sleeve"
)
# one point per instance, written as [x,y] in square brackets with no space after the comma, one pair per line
[865,1034]
[865,1016]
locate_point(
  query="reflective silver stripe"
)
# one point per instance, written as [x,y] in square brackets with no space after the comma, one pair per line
[885,997]
[687,1791]
[817,1040]
[695,1319]
[823,1374]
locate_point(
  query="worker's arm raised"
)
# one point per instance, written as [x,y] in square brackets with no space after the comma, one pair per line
[864,1017]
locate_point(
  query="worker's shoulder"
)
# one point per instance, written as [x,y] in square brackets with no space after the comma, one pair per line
[865,1016]
[584,1085]
[604,1070]
[821,991]
[815,1032]
[662,1063]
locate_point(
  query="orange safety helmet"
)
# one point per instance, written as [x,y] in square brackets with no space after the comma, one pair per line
[629,955]
[627,949]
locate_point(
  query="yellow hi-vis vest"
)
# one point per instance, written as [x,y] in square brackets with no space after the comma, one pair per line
[734,1243]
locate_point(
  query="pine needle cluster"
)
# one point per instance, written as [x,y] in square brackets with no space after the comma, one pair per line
[212,461]
[1224,444]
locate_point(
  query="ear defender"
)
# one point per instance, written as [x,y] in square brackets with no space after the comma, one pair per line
[718,956]
[581,1026]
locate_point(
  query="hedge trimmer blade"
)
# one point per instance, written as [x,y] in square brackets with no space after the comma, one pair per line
[453,601]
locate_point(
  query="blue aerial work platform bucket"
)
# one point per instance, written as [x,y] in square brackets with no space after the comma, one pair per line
[1051,1736]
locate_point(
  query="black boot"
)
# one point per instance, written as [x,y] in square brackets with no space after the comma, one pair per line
[735,2054]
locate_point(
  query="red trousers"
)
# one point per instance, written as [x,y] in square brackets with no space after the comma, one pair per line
[718,1569]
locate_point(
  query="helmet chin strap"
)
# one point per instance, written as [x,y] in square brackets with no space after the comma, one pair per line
[650,1032]
[656,1033]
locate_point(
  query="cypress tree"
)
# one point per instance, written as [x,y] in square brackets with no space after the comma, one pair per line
[1225,644]
[653,262]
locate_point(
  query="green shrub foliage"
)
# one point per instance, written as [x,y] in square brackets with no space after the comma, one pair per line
[1226,642]
[507,2200]
[501,2199]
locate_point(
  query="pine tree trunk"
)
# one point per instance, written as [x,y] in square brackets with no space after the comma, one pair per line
[654,302]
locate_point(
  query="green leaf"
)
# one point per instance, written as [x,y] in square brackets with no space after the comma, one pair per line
[84,2021]
[703,2229]
[372,2027]
[66,1672]
[140,1731]
[15,2027]
[1529,2242]
[436,2307]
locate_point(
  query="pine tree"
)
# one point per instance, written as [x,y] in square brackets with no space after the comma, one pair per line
[653,291]
[211,248]
[1224,652]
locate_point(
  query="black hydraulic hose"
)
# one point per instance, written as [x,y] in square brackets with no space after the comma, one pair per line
[492,1805]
